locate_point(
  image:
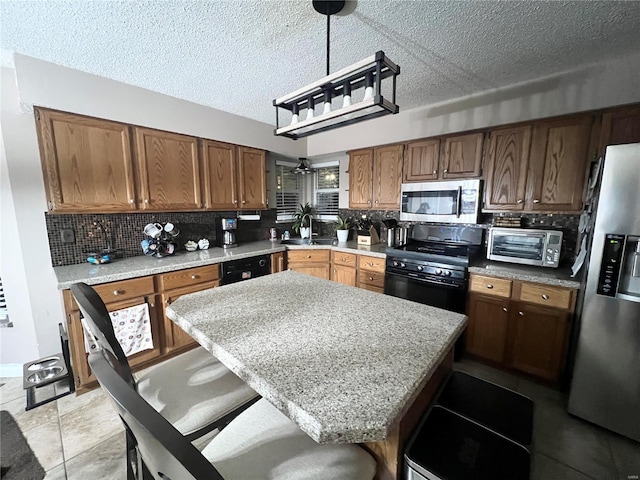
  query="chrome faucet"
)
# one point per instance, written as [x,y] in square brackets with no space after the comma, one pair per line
[310,225]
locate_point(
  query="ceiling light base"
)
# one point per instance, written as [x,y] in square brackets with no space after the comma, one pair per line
[328,7]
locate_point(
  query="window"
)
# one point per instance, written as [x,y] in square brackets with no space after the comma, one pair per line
[326,193]
[288,191]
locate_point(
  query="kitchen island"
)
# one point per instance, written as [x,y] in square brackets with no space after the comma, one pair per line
[347,365]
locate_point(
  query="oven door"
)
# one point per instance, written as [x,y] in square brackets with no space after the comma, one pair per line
[452,297]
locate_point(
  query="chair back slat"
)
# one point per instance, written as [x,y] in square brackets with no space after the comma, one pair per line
[165,452]
[97,324]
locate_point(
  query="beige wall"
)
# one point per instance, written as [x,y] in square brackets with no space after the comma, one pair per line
[615,83]
[32,298]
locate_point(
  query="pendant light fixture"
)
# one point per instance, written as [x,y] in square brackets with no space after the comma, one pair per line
[366,76]
[303,168]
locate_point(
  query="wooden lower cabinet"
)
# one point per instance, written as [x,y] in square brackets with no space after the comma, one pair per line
[310,261]
[157,292]
[129,293]
[523,326]
[278,262]
[488,325]
[538,340]
[371,273]
[343,268]
[344,275]
[176,338]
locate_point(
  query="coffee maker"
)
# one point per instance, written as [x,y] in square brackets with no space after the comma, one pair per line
[227,232]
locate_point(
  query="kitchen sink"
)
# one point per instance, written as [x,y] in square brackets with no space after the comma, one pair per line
[306,241]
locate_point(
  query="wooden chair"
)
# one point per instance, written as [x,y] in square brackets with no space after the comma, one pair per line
[194,391]
[259,444]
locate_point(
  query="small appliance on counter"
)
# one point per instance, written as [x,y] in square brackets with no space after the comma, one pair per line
[226,232]
[524,246]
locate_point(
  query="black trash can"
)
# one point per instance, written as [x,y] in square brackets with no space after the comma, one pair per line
[497,408]
[448,446]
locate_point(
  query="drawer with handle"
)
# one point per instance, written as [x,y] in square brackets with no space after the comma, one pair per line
[189,276]
[373,279]
[556,297]
[341,258]
[308,255]
[125,289]
[498,287]
[372,264]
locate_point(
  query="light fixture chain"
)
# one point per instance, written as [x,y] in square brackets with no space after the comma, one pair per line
[328,35]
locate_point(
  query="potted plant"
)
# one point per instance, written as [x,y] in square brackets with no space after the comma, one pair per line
[342,228]
[302,220]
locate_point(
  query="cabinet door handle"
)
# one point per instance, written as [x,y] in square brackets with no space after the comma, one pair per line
[118,292]
[370,278]
[131,200]
[446,170]
[195,277]
[545,296]
[519,201]
[504,309]
[377,201]
[308,256]
[536,201]
[146,200]
[243,201]
[435,172]
[521,313]
[489,286]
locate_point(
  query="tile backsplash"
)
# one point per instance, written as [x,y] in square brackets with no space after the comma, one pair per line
[124,231]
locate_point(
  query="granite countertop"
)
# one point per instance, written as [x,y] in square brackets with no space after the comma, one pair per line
[344,369]
[560,277]
[126,268]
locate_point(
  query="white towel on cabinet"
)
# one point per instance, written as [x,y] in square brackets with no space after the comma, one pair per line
[132,327]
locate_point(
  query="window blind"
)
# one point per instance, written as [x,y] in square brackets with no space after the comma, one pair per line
[288,191]
[327,181]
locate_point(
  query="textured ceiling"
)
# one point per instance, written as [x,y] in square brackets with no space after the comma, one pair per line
[238,55]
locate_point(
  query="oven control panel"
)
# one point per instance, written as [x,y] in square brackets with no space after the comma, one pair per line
[426,270]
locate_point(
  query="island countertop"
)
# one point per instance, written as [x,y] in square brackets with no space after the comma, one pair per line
[342,362]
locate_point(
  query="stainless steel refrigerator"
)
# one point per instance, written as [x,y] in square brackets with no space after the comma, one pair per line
[605,388]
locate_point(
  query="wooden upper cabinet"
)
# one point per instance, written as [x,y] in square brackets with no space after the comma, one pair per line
[506,168]
[422,160]
[387,177]
[219,175]
[252,178]
[462,156]
[360,178]
[168,169]
[558,164]
[86,163]
[620,126]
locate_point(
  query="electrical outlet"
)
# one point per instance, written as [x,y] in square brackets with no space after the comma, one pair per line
[67,236]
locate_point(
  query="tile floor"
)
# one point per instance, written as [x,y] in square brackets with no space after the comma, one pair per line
[82,438]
